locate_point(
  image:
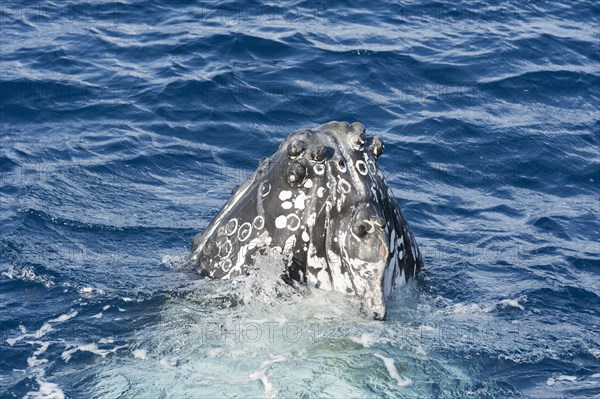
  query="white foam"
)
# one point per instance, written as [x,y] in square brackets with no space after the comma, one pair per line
[366,340]
[551,381]
[64,317]
[214,352]
[97,316]
[140,354]
[469,308]
[33,359]
[43,330]
[27,274]
[47,390]
[567,378]
[167,363]
[391,369]
[90,291]
[261,374]
[93,348]
[12,341]
[510,303]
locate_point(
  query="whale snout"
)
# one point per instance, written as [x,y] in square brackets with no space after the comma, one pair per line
[379,315]
[379,311]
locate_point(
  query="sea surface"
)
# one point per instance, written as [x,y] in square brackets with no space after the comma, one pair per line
[125,125]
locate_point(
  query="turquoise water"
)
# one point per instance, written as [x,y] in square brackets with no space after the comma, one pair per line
[125,126]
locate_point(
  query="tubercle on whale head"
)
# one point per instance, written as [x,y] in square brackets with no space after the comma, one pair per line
[376,146]
[296,174]
[305,144]
[296,148]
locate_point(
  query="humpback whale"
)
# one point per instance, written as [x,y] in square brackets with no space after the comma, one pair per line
[321,202]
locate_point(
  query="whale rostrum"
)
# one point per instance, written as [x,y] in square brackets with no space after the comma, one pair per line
[322,203]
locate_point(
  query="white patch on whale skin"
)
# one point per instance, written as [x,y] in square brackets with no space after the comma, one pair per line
[393,241]
[305,236]
[289,246]
[281,222]
[339,202]
[388,284]
[285,195]
[341,281]
[308,183]
[320,192]
[374,192]
[286,205]
[299,201]
[319,169]
[323,280]
[310,222]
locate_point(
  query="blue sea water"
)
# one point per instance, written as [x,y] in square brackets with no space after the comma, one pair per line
[125,124]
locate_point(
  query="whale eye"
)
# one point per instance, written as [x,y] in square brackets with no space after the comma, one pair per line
[296,148]
[317,154]
[360,229]
[377,147]
[296,174]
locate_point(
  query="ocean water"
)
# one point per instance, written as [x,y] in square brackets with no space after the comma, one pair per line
[124,126]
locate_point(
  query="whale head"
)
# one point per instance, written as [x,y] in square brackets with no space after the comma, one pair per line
[323,203]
